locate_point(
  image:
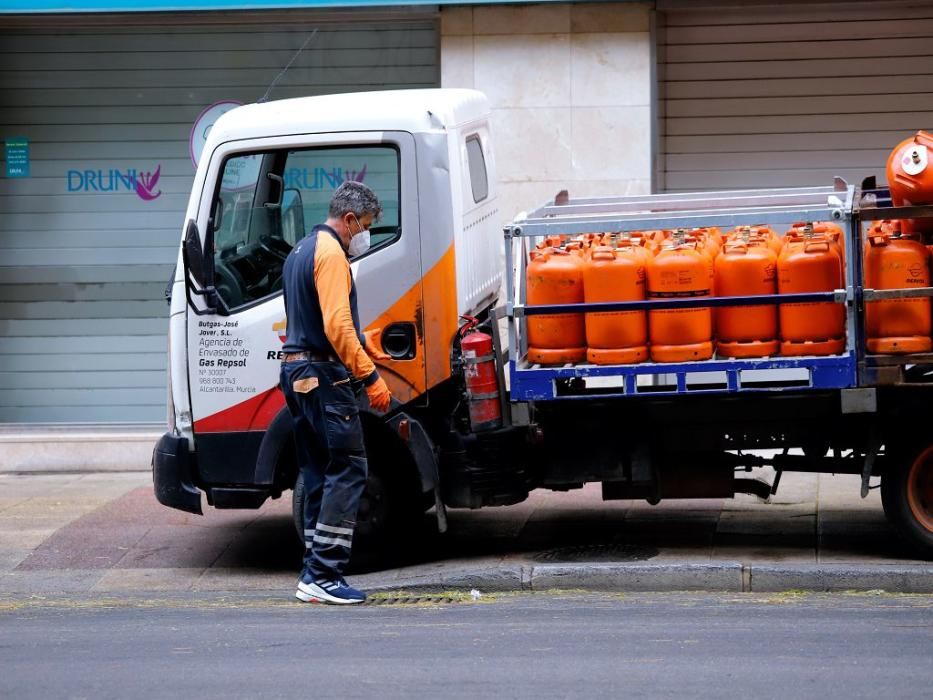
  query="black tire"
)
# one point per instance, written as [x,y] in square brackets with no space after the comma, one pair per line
[907,497]
[391,507]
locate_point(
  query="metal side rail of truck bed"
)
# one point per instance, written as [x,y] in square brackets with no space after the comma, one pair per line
[874,204]
[780,207]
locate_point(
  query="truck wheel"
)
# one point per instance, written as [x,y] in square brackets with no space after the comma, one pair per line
[907,497]
[387,508]
[372,516]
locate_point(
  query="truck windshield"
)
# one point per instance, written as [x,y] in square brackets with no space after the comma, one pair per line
[266,202]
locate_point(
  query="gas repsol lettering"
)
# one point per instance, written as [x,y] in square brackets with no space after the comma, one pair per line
[221,363]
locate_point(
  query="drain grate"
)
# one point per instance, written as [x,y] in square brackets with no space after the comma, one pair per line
[414,600]
[597,553]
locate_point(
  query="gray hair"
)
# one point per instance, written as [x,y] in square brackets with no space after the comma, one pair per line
[356,198]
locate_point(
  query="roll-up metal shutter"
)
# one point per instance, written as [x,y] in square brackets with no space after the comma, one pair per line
[789,95]
[90,237]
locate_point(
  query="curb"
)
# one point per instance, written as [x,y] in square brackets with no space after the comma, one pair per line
[77,448]
[715,577]
[843,577]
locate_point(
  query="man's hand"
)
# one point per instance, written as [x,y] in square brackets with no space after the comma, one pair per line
[372,345]
[379,396]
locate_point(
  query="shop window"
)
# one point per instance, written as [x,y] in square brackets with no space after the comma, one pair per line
[477,164]
[267,202]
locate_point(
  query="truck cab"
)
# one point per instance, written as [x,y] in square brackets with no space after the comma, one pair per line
[265,179]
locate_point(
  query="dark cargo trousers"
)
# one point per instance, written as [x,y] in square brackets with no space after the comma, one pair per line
[331,460]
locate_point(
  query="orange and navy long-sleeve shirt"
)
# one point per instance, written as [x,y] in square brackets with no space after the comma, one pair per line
[320,303]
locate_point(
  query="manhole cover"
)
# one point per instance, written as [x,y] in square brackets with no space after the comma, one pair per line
[413,600]
[597,553]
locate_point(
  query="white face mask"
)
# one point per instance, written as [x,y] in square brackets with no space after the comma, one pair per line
[359,244]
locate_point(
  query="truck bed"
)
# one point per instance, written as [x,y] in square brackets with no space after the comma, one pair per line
[778,208]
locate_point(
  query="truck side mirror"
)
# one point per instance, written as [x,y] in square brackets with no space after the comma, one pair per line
[194,254]
[199,264]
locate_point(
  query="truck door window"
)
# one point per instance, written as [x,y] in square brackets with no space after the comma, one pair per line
[266,202]
[477,164]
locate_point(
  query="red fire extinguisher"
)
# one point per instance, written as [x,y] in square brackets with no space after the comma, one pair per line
[482,382]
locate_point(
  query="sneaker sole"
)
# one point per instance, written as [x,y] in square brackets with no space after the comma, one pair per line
[315,594]
[305,598]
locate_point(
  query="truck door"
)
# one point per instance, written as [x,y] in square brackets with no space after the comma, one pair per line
[260,198]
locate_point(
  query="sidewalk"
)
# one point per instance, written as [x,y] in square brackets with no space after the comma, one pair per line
[100,533]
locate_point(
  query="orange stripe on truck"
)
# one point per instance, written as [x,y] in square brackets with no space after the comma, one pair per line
[432,306]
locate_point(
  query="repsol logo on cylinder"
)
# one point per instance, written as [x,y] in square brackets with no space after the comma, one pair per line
[679,294]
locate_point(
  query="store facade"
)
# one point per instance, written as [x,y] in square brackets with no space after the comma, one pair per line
[107,111]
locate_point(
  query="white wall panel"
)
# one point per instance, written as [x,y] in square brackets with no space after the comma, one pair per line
[789,94]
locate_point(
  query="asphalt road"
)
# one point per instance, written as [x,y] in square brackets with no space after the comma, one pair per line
[516,646]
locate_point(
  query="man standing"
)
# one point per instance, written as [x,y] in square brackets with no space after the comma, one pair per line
[324,347]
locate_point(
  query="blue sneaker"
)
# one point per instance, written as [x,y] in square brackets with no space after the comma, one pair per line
[335,591]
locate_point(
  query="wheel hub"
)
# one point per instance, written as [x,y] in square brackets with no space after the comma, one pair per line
[920,489]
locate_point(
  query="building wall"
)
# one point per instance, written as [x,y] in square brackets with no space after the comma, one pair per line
[89,239]
[570,88]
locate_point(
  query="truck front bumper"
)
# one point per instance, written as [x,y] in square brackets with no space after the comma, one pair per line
[171,474]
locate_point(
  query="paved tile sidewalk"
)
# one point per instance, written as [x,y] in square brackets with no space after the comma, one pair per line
[99,533]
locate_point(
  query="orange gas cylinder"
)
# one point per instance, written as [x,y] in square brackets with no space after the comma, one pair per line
[836,236]
[792,235]
[578,248]
[885,227]
[897,326]
[634,243]
[615,337]
[555,277]
[702,244]
[910,177]
[679,335]
[659,237]
[636,238]
[810,265]
[746,268]
[639,248]
[756,233]
[551,242]
[827,231]
[825,227]
[922,227]
[709,239]
[720,235]
[588,240]
[909,171]
[774,241]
